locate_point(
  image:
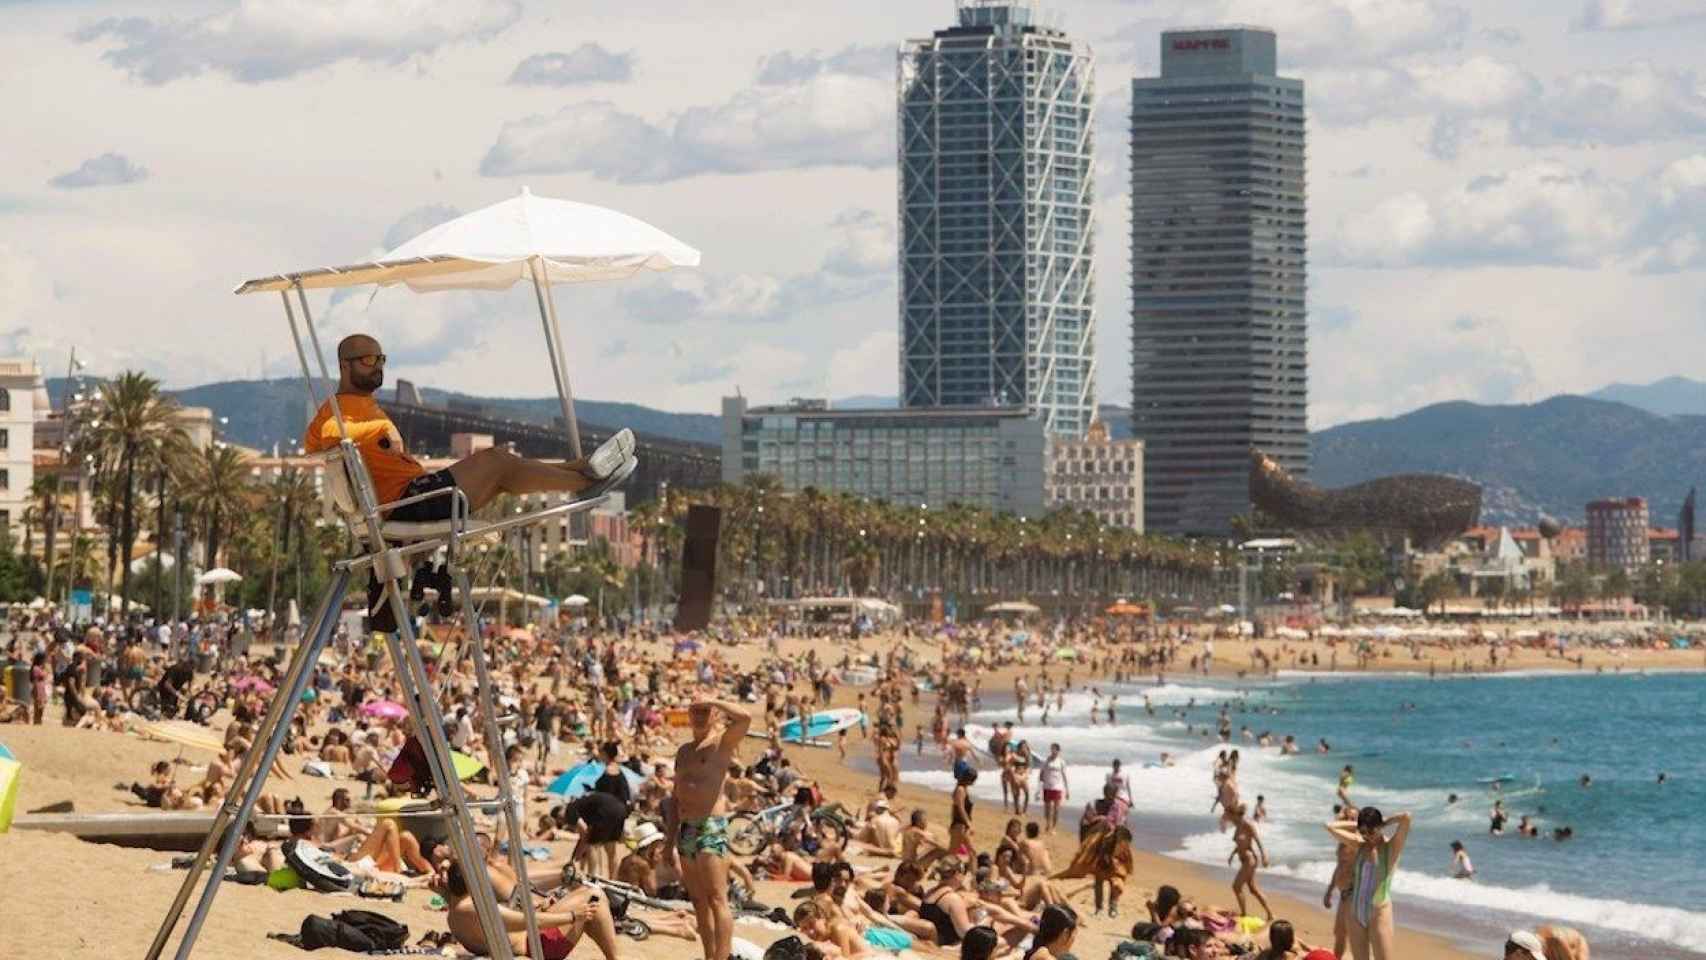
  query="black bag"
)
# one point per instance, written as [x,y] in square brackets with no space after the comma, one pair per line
[787,948]
[384,932]
[361,931]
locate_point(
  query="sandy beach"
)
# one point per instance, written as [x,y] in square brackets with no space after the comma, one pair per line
[67,898]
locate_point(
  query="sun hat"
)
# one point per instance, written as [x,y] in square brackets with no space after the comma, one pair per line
[1529,942]
[646,835]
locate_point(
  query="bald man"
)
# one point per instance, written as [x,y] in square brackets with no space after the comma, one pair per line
[481,476]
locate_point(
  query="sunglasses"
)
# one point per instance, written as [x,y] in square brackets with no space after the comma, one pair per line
[1511,946]
[368,359]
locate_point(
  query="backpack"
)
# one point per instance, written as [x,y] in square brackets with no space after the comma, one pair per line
[361,931]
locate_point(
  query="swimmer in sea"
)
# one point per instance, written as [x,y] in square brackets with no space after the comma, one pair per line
[1461,867]
[1496,819]
[1347,779]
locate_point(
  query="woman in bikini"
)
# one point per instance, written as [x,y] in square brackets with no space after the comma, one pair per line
[1370,922]
[1246,844]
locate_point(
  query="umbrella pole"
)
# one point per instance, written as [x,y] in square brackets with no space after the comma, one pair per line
[554,346]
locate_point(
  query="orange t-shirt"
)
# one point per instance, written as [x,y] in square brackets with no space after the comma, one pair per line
[375,436]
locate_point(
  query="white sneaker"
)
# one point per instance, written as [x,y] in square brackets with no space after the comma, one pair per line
[611,454]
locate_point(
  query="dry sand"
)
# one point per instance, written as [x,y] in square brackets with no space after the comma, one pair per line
[65,898]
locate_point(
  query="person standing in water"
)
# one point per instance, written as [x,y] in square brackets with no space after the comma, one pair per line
[1246,845]
[1461,867]
[1370,922]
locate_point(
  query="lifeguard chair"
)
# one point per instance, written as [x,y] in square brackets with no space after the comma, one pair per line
[541,240]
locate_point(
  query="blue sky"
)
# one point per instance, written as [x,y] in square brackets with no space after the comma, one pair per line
[1507,199]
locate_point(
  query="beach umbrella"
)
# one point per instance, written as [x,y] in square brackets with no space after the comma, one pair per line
[1124,608]
[245,684]
[579,779]
[384,709]
[10,769]
[218,575]
[575,600]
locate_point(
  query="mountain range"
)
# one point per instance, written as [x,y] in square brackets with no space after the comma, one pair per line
[1548,458]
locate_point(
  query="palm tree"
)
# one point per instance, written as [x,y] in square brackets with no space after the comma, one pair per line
[135,425]
[45,489]
[293,494]
[217,489]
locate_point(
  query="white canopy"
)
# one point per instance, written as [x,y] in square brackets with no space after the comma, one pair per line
[575,600]
[1012,606]
[491,249]
[219,575]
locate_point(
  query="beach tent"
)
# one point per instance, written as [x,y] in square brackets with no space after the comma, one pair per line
[579,779]
[10,769]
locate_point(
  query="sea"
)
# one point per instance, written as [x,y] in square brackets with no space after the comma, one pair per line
[1630,878]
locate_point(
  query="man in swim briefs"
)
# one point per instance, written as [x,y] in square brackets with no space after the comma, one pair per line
[699,827]
[480,476]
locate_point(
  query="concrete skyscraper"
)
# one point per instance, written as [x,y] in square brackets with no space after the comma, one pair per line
[1218,272]
[996,225]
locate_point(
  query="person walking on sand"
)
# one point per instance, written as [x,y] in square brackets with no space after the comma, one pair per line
[1370,922]
[1246,845]
[1054,785]
[699,824]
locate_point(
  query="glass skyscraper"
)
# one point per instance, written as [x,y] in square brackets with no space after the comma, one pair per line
[1218,270]
[996,223]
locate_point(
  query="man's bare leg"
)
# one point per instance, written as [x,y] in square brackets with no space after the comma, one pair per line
[707,881]
[492,471]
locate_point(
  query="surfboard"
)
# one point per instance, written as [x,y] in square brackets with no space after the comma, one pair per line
[1506,778]
[819,725]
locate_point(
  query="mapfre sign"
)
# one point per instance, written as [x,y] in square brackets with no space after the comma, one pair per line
[1202,43]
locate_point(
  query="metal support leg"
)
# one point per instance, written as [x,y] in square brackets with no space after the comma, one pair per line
[228,825]
[429,728]
[499,762]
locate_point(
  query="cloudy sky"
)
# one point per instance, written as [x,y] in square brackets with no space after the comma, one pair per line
[1507,198]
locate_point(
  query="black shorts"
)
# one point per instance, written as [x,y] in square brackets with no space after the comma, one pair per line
[426,511]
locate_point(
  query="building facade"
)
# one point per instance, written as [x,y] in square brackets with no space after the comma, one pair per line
[997,302]
[991,458]
[1617,533]
[23,399]
[1098,475]
[1218,272]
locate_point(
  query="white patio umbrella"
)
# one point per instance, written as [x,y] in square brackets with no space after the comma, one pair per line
[540,239]
[218,575]
[575,600]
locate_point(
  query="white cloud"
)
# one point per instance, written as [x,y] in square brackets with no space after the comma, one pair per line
[1354,95]
[861,260]
[416,222]
[871,366]
[106,170]
[262,40]
[1351,31]
[1636,103]
[1545,213]
[1638,14]
[586,64]
[787,67]
[832,119]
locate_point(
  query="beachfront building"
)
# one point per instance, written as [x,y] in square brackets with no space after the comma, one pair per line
[1617,533]
[997,301]
[1218,270]
[984,457]
[1097,474]
[23,399]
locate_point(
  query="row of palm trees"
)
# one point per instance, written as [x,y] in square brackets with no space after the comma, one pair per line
[779,544]
[148,479]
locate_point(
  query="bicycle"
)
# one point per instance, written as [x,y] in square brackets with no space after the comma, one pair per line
[751,832]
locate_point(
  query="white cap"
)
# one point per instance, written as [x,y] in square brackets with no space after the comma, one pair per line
[1529,942]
